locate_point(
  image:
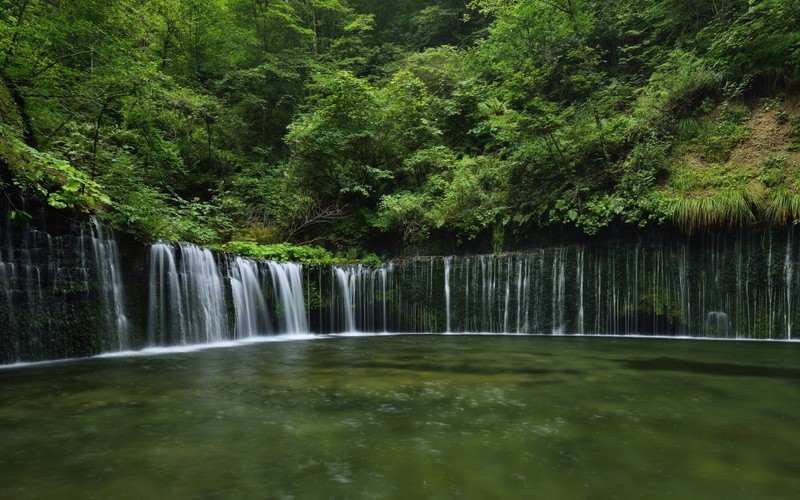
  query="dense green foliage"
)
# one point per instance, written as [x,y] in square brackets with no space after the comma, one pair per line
[346,123]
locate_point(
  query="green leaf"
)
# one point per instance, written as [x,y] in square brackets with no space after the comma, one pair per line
[19,218]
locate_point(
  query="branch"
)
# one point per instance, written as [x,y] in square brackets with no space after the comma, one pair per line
[312,215]
[53,63]
[99,121]
[562,8]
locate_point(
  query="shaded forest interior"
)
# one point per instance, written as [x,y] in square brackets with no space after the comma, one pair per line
[300,129]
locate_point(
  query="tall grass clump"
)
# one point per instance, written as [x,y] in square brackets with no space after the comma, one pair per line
[782,207]
[727,209]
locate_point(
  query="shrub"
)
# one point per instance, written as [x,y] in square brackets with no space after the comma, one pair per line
[281,252]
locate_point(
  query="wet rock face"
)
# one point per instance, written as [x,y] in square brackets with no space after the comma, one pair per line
[61,293]
[740,284]
[70,287]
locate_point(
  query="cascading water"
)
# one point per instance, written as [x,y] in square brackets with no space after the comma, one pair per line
[348,281]
[788,279]
[107,262]
[61,292]
[447,262]
[247,283]
[360,298]
[186,296]
[187,293]
[384,272]
[287,283]
[728,285]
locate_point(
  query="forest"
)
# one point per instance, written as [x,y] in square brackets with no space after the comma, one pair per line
[304,129]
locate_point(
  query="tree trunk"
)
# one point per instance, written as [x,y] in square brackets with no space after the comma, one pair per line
[27,129]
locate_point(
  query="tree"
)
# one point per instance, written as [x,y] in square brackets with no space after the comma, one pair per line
[334,146]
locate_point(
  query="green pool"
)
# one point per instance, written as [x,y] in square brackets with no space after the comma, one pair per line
[417,416]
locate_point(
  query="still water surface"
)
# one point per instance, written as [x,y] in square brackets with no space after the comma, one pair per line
[410,417]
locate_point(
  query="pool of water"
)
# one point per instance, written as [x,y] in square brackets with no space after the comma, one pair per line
[410,417]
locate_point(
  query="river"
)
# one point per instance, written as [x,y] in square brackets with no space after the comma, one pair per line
[409,416]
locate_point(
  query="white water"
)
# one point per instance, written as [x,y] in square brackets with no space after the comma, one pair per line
[363,298]
[737,288]
[447,262]
[287,282]
[61,294]
[252,313]
[788,271]
[384,273]
[742,288]
[107,262]
[186,297]
[347,285]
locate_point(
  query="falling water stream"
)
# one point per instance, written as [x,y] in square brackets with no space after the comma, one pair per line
[287,283]
[109,273]
[247,285]
[729,285]
[186,296]
[61,292]
[726,287]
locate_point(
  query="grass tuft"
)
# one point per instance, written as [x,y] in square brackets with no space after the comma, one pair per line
[782,207]
[727,209]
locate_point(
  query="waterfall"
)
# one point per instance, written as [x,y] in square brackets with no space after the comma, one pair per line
[287,282]
[107,262]
[361,297]
[187,302]
[732,285]
[252,312]
[165,302]
[186,298]
[580,281]
[447,262]
[61,292]
[788,270]
[558,294]
[506,308]
[347,288]
[718,324]
[384,273]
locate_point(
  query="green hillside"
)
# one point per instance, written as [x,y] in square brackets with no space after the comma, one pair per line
[362,124]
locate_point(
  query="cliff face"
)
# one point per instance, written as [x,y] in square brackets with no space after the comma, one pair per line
[68,287]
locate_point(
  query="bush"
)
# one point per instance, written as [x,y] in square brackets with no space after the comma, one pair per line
[42,175]
[281,252]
